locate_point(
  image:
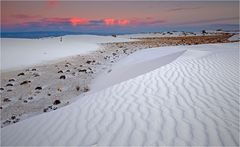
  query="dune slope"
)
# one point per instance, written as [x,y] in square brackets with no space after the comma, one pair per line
[136,64]
[193,100]
[20,53]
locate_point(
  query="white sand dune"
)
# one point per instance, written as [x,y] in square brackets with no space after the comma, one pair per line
[235,37]
[136,64]
[194,100]
[19,53]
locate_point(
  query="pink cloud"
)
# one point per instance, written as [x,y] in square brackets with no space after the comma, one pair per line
[123,22]
[78,21]
[24,16]
[109,21]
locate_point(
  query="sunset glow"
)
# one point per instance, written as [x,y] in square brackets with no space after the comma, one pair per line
[57,15]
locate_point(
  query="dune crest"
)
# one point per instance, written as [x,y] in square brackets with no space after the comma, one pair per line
[136,64]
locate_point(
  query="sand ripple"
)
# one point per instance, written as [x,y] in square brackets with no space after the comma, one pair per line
[194,100]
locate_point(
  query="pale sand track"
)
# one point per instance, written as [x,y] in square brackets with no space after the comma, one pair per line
[193,100]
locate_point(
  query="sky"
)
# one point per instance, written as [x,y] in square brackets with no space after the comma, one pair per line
[120,16]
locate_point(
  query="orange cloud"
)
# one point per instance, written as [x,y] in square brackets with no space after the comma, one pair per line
[78,21]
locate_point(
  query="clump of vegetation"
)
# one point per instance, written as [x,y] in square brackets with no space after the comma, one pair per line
[204,32]
[85,89]
[77,88]
[56,102]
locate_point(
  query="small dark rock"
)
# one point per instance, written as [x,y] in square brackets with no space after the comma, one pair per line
[60,71]
[114,54]
[56,102]
[36,74]
[7,122]
[59,89]
[9,84]
[62,77]
[82,70]
[13,117]
[66,65]
[88,62]
[11,80]
[1,89]
[68,70]
[25,101]
[25,82]
[45,109]
[49,94]
[1,107]
[30,98]
[21,74]
[77,88]
[38,88]
[9,90]
[34,69]
[17,120]
[6,100]
[86,89]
